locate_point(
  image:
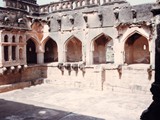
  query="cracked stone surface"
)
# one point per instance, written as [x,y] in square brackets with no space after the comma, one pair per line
[47,102]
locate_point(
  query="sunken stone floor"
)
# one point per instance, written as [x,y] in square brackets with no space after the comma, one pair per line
[46,102]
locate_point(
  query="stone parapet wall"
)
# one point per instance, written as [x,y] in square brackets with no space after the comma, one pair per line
[134,80]
[20,79]
[99,77]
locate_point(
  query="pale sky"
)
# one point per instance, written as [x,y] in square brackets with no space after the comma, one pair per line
[133,2]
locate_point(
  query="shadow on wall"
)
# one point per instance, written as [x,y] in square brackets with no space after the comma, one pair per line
[18,111]
[20,78]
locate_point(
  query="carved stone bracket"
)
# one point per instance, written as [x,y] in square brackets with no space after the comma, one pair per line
[119,69]
[68,67]
[61,67]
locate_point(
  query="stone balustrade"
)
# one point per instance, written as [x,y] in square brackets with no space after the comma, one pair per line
[32,7]
[68,5]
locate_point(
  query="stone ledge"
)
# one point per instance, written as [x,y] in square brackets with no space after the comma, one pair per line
[20,85]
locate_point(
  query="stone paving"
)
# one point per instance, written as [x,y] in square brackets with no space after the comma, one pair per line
[47,102]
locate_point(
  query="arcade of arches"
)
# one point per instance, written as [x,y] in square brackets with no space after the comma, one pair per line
[13,49]
[136,49]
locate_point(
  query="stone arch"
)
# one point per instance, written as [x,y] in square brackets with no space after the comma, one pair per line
[73,49]
[31,51]
[102,49]
[6,38]
[20,39]
[136,49]
[13,39]
[130,31]
[36,42]
[50,50]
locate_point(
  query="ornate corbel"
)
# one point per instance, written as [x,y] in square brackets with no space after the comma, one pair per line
[61,67]
[82,68]
[68,67]
[75,68]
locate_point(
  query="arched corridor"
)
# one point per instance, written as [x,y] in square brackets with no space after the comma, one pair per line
[103,50]
[73,50]
[137,49]
[51,52]
[31,52]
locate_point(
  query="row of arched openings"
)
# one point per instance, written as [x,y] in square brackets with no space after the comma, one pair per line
[13,48]
[136,50]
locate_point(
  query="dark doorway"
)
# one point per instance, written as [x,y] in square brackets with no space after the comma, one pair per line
[51,53]
[137,50]
[31,52]
[74,50]
[103,50]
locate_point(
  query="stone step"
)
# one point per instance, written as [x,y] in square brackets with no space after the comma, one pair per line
[20,85]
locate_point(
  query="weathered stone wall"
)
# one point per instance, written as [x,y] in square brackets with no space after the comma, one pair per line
[20,79]
[125,79]
[132,78]
[100,77]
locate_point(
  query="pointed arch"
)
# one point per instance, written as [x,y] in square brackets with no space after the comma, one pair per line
[34,40]
[136,47]
[102,49]
[73,49]
[43,42]
[130,31]
[126,36]
[31,51]
[50,48]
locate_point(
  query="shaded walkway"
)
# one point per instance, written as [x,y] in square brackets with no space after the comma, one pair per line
[18,111]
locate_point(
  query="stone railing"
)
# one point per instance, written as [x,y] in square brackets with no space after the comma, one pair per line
[71,4]
[56,6]
[32,7]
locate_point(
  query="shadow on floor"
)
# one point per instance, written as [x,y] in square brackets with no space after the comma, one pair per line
[10,110]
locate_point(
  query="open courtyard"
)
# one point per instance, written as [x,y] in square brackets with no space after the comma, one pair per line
[47,102]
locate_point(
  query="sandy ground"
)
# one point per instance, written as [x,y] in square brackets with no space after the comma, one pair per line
[99,105]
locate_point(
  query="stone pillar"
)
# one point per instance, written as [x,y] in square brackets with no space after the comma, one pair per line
[152,56]
[88,54]
[17,49]
[60,56]
[64,54]
[17,53]
[152,50]
[83,53]
[1,55]
[40,57]
[1,50]
[24,50]
[118,52]
[24,54]
[91,57]
[153,111]
[10,53]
